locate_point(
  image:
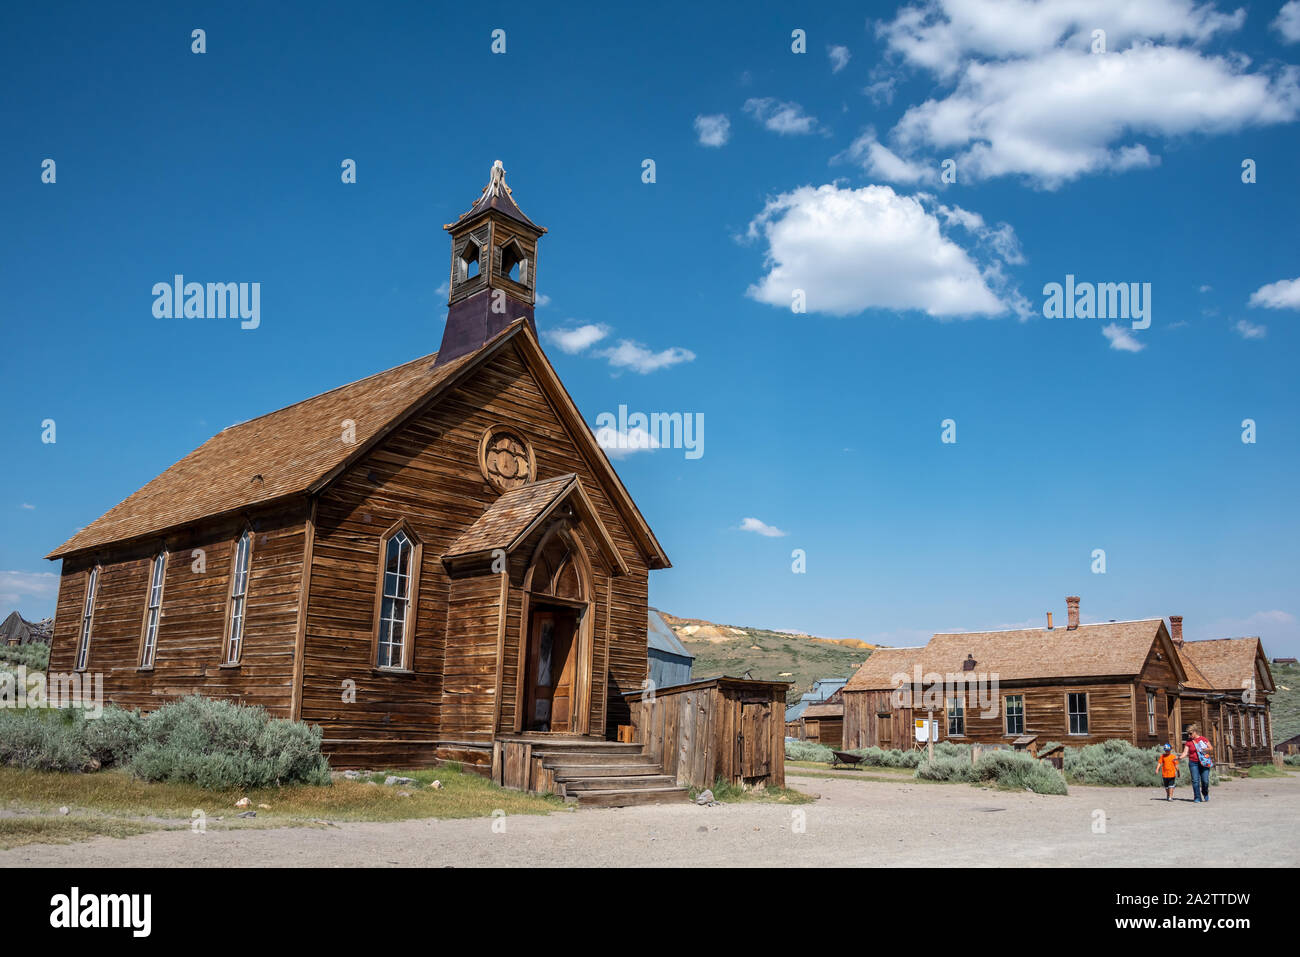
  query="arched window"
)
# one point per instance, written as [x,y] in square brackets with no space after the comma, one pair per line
[87,616]
[153,611]
[238,599]
[396,601]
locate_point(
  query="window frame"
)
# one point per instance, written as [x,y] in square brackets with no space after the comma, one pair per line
[414,573]
[1232,736]
[1006,714]
[1071,715]
[1151,713]
[82,660]
[148,648]
[1250,720]
[955,710]
[227,660]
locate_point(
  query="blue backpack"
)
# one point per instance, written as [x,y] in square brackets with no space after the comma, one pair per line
[1202,755]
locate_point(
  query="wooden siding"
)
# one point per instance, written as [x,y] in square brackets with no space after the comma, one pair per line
[192,619]
[427,474]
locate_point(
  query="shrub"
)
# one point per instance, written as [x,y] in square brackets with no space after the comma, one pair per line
[1019,771]
[950,749]
[115,736]
[807,751]
[880,758]
[43,739]
[946,769]
[1119,763]
[217,744]
[1293,760]
[35,656]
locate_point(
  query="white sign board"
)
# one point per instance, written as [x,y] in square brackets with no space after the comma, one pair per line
[925,730]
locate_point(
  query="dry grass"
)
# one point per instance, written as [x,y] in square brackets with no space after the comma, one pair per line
[16,831]
[111,801]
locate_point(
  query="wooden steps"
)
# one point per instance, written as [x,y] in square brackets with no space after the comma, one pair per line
[597,773]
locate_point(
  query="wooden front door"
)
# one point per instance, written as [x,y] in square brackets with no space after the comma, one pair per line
[548,688]
[756,750]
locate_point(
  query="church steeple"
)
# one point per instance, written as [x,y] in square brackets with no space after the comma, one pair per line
[493,269]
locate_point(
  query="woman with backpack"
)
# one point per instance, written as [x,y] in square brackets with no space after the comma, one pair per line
[1197,750]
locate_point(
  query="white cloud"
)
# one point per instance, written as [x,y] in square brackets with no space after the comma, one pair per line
[1029,97]
[851,250]
[713,130]
[1288,21]
[577,338]
[882,91]
[939,34]
[1279,630]
[543,299]
[1283,294]
[1121,339]
[880,162]
[619,445]
[15,587]
[788,119]
[29,507]
[840,57]
[633,355]
[1249,330]
[762,528]
[1205,288]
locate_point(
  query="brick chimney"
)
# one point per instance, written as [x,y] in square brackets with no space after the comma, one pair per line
[1176,630]
[1049,621]
[1072,604]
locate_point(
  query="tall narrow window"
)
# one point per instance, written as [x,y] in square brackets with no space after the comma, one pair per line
[1250,720]
[1151,712]
[1015,708]
[87,616]
[238,599]
[153,610]
[956,717]
[1076,705]
[399,574]
[1232,737]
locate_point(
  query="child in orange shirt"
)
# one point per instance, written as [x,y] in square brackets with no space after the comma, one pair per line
[1167,764]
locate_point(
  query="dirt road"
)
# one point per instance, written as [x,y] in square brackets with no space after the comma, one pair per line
[1248,822]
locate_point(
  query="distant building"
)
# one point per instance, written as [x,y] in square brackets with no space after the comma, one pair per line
[17,630]
[670,662]
[1284,661]
[822,689]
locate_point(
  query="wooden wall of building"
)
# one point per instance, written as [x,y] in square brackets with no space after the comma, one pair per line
[427,474]
[192,623]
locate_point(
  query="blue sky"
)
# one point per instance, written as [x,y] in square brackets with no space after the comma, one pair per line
[774,170]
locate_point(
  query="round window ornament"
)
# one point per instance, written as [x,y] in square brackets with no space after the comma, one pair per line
[506,459]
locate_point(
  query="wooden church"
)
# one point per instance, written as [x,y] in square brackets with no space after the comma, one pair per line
[428,562]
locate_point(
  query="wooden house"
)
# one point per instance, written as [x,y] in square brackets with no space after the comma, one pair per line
[422,562]
[823,723]
[1081,684]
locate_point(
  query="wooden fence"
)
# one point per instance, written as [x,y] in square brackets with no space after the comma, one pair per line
[729,729]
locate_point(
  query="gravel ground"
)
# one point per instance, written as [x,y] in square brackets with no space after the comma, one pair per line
[854,822]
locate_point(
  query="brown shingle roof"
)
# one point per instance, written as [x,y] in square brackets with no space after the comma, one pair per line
[1225,663]
[880,667]
[289,449]
[1109,648]
[1196,679]
[508,518]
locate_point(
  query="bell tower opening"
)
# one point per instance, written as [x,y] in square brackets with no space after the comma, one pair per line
[493,269]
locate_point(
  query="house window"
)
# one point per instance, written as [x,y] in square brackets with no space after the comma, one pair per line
[1263,730]
[238,598]
[1076,706]
[87,615]
[399,573]
[1250,720]
[956,717]
[1232,737]
[153,610]
[1015,709]
[1151,712]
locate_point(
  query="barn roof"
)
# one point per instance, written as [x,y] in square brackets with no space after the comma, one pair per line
[1227,664]
[662,638]
[1097,650]
[300,449]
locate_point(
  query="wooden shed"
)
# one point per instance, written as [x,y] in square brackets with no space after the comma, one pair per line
[728,729]
[824,723]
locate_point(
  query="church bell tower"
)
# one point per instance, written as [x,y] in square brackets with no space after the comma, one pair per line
[493,270]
